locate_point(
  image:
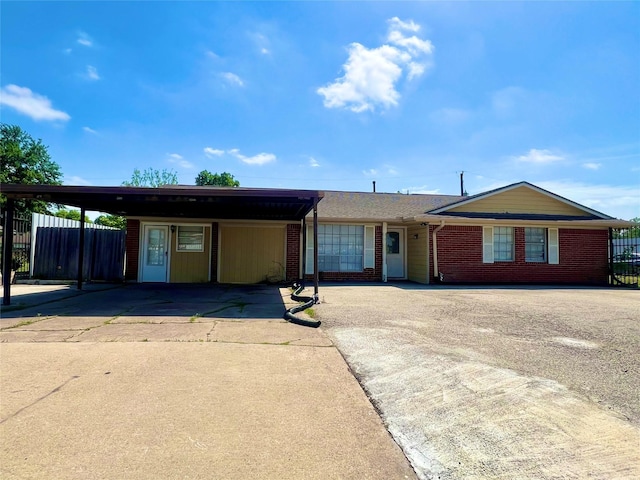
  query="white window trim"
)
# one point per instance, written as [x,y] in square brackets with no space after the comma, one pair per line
[369,253]
[487,245]
[553,246]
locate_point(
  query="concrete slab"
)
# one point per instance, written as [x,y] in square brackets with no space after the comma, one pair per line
[273,332]
[169,332]
[63,323]
[188,410]
[21,336]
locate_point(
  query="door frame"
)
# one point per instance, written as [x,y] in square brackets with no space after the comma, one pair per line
[404,251]
[142,245]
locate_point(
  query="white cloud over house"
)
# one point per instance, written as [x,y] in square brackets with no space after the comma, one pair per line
[591,165]
[84,39]
[371,75]
[92,73]
[539,157]
[31,104]
[232,79]
[259,159]
[212,152]
[179,160]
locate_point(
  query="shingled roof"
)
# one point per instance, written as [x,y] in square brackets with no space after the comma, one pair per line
[378,206]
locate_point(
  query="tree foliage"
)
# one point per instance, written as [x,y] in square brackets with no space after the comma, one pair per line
[223,179]
[151,177]
[71,215]
[631,232]
[115,221]
[25,161]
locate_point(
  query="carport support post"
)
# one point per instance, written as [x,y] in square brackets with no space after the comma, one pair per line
[7,250]
[315,249]
[81,249]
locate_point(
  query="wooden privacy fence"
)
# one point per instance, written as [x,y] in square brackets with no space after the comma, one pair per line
[56,254]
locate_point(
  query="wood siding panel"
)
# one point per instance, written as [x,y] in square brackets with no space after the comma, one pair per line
[521,200]
[190,267]
[417,267]
[250,254]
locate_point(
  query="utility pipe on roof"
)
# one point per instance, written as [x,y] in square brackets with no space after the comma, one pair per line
[435,249]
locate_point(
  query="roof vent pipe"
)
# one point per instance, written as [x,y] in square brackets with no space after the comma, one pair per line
[374,186]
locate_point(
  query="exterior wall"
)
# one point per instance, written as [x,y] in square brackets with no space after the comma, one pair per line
[189,267]
[133,250]
[293,252]
[214,252]
[583,258]
[368,275]
[521,200]
[417,259]
[251,253]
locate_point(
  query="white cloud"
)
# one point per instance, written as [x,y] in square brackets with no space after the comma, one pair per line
[505,101]
[29,103]
[84,39]
[592,165]
[424,190]
[75,180]
[262,42]
[313,162]
[620,201]
[259,159]
[539,157]
[92,73]
[370,173]
[67,51]
[213,152]
[211,54]
[179,160]
[232,79]
[89,130]
[371,74]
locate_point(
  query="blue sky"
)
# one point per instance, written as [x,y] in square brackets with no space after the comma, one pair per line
[334,95]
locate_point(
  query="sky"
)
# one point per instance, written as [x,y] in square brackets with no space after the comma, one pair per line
[335,95]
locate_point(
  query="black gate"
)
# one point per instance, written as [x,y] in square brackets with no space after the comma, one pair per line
[21,254]
[56,255]
[624,257]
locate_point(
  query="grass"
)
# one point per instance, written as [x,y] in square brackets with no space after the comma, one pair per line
[311,312]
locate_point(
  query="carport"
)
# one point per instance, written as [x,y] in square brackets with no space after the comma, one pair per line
[174,201]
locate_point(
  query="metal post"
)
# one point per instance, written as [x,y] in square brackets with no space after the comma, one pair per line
[316,277]
[7,250]
[81,249]
[304,249]
[611,272]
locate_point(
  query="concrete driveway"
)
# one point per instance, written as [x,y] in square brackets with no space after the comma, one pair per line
[192,382]
[486,383]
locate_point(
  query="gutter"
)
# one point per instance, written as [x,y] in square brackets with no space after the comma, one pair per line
[435,249]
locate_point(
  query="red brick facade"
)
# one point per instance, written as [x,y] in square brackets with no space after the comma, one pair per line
[368,275]
[293,252]
[133,250]
[583,258]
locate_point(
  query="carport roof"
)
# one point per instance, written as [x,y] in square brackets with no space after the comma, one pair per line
[176,200]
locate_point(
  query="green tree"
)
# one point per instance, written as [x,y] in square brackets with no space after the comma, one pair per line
[70,214]
[25,161]
[152,178]
[115,221]
[631,232]
[223,179]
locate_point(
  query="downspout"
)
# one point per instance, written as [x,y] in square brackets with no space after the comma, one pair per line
[384,248]
[435,250]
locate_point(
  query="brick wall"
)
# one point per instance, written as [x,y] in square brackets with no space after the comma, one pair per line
[133,250]
[293,252]
[214,252]
[368,275]
[583,258]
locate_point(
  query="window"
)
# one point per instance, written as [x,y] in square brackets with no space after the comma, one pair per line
[535,244]
[340,248]
[190,239]
[503,244]
[393,243]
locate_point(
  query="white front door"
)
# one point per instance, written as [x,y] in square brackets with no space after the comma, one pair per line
[155,255]
[395,253]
